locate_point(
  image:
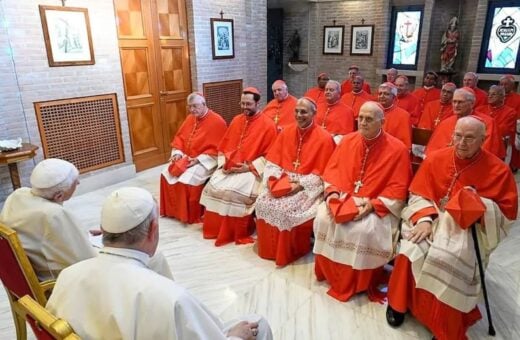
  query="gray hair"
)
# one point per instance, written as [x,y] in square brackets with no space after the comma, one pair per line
[500,90]
[66,184]
[393,89]
[335,83]
[134,235]
[467,94]
[473,74]
[472,120]
[194,96]
[375,108]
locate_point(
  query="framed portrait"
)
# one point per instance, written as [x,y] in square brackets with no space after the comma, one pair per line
[361,39]
[405,34]
[66,31]
[222,38]
[333,39]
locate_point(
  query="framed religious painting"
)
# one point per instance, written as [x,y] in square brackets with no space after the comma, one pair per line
[500,52]
[361,39]
[333,39]
[222,38]
[405,33]
[66,31]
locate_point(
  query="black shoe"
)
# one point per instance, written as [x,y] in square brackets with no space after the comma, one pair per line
[393,317]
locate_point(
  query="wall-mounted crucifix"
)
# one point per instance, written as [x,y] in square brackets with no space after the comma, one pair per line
[221,14]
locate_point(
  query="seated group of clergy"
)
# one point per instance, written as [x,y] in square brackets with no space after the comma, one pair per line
[351,196]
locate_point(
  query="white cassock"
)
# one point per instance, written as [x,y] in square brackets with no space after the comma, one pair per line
[48,232]
[51,236]
[115,296]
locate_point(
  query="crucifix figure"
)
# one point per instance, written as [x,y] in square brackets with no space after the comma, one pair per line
[296,164]
[358,184]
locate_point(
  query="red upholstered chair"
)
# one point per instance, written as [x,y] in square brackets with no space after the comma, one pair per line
[45,325]
[18,276]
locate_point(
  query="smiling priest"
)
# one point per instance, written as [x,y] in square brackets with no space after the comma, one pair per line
[366,183]
[230,195]
[286,208]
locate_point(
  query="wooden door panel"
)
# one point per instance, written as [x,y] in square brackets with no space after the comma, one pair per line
[171,19]
[155,64]
[130,22]
[142,126]
[135,72]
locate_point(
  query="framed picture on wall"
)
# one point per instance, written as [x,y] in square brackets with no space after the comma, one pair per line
[66,31]
[333,39]
[361,39]
[405,33]
[222,38]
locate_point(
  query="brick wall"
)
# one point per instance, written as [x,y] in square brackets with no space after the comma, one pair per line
[310,18]
[27,78]
[250,62]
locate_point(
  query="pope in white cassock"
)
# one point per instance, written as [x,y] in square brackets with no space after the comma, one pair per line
[50,234]
[116,296]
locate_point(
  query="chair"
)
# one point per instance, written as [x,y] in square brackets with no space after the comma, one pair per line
[45,325]
[419,137]
[18,276]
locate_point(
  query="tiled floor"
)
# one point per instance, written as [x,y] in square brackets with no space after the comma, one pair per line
[233,280]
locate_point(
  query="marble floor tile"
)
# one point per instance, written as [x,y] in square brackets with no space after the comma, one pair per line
[232,280]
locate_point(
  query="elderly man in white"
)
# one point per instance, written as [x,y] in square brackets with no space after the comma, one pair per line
[116,296]
[50,234]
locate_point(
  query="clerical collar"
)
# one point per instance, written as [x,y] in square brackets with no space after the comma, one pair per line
[371,141]
[307,127]
[465,161]
[389,108]
[337,101]
[127,253]
[204,115]
[496,107]
[428,87]
[357,93]
[284,98]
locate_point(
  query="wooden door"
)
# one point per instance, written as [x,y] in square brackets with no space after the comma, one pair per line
[156,76]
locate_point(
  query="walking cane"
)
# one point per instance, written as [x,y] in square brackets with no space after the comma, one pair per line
[491,329]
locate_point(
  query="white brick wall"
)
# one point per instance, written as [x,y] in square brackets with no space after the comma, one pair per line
[27,78]
[250,62]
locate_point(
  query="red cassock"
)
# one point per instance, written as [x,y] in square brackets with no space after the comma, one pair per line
[513,100]
[282,113]
[355,100]
[346,87]
[442,136]
[410,104]
[434,112]
[397,123]
[387,174]
[317,94]
[253,136]
[195,137]
[431,182]
[286,246]
[505,118]
[480,97]
[337,118]
[426,95]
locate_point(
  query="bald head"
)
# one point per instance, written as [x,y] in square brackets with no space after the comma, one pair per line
[468,136]
[370,119]
[470,79]
[280,91]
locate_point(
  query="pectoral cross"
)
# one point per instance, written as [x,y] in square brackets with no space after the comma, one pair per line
[358,184]
[276,118]
[443,201]
[437,121]
[296,164]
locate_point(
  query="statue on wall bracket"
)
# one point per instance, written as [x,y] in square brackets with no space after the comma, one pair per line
[449,46]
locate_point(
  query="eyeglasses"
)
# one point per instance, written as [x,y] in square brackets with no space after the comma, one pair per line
[468,139]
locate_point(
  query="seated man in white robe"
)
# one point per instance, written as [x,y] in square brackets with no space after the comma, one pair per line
[50,234]
[116,296]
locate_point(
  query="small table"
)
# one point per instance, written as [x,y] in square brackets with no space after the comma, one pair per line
[11,158]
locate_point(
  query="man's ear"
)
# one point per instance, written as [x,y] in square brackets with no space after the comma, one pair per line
[58,197]
[154,226]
